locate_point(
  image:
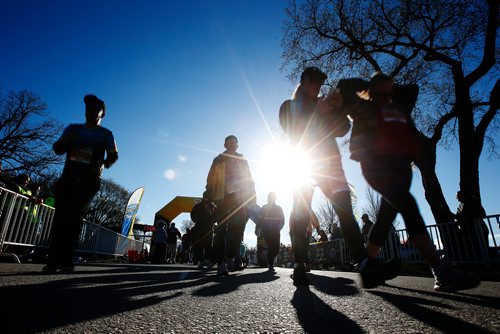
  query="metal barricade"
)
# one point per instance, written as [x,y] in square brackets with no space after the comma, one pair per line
[26,224]
[455,244]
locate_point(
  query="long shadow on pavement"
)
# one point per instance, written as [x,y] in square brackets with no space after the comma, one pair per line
[29,308]
[317,317]
[483,301]
[227,284]
[113,269]
[338,286]
[418,308]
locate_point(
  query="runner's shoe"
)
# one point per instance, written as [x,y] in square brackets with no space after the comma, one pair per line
[449,279]
[68,269]
[373,273]
[50,269]
[209,264]
[221,269]
[299,276]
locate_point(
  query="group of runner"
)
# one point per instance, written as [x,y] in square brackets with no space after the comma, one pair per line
[382,140]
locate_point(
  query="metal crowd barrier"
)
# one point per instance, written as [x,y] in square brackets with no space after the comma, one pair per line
[476,244]
[23,223]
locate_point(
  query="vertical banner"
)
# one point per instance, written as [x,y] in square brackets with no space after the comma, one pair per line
[131,211]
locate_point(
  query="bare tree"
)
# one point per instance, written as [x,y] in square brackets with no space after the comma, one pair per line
[185,224]
[373,201]
[108,206]
[326,215]
[27,134]
[46,183]
[446,47]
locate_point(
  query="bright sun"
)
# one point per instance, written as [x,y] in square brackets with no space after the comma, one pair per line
[283,168]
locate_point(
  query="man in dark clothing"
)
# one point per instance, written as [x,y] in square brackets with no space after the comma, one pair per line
[89,148]
[186,246]
[272,221]
[160,243]
[202,233]
[172,234]
[231,187]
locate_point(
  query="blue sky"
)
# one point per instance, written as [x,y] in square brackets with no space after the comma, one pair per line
[177,77]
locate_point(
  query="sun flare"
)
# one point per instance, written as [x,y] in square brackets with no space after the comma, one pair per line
[284,168]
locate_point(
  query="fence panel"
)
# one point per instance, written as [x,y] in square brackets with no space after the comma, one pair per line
[455,244]
[23,223]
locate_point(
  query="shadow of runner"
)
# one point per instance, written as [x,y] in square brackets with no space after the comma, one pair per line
[227,284]
[415,308]
[317,317]
[86,269]
[338,286]
[472,299]
[31,308]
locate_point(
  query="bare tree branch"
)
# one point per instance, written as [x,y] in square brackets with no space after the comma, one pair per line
[27,134]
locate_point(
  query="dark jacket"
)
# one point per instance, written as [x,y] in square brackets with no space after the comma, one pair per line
[371,136]
[302,121]
[172,234]
[230,174]
[272,218]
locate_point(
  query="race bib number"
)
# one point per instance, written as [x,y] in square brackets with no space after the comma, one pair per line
[233,187]
[393,115]
[82,155]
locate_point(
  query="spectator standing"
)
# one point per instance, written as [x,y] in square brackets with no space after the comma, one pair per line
[20,185]
[172,235]
[322,236]
[160,244]
[186,246]
[89,148]
[272,221]
[201,215]
[336,232]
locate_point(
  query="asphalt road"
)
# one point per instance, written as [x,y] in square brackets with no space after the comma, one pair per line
[122,298]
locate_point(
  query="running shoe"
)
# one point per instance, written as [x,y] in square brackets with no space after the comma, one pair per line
[221,270]
[50,269]
[373,273]
[299,276]
[449,279]
[68,269]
